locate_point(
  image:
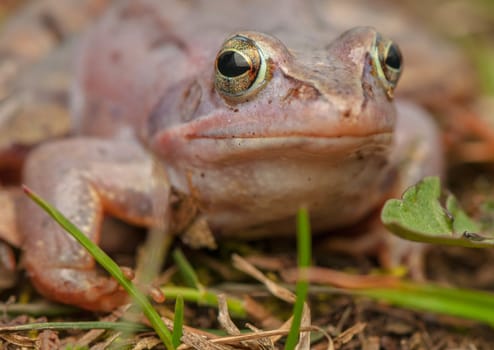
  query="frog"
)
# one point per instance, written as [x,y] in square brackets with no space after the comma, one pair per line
[249,117]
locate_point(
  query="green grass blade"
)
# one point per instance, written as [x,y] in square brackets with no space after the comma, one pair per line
[109,265]
[186,270]
[43,308]
[302,287]
[80,325]
[178,320]
[208,298]
[469,304]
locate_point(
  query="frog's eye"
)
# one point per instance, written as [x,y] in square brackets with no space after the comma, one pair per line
[388,63]
[240,68]
[391,62]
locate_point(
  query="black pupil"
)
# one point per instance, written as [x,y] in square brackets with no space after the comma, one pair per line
[232,64]
[393,59]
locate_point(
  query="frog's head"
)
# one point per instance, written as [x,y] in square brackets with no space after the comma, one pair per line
[267,111]
[259,89]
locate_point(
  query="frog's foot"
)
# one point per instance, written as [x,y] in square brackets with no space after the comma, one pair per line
[8,275]
[85,179]
[9,202]
[395,251]
[9,235]
[391,251]
[84,288]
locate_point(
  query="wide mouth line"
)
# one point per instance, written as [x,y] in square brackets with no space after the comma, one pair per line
[287,136]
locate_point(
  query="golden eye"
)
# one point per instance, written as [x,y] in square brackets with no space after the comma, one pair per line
[388,62]
[240,68]
[391,62]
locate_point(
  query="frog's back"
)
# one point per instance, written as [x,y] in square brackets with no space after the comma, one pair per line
[142,48]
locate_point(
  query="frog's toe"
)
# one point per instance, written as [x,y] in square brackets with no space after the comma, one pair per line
[395,251]
[8,274]
[390,250]
[86,289]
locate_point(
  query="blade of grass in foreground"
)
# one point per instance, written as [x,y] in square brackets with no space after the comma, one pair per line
[302,286]
[468,304]
[187,270]
[178,320]
[196,291]
[209,298]
[109,265]
[81,325]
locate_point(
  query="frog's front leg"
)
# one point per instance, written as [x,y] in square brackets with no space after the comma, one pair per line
[417,153]
[85,179]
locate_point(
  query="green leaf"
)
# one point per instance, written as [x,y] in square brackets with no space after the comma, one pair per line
[420,216]
[462,222]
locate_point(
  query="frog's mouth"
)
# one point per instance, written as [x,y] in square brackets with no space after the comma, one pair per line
[279,127]
[219,147]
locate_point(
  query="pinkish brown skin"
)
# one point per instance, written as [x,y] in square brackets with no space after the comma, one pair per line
[318,133]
